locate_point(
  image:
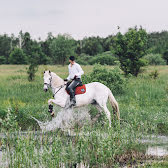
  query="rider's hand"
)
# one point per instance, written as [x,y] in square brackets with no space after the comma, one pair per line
[65,80]
[75,77]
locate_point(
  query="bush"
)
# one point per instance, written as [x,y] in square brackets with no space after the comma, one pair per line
[154,74]
[155,59]
[165,56]
[33,68]
[2,60]
[17,56]
[83,59]
[130,48]
[106,58]
[10,121]
[112,78]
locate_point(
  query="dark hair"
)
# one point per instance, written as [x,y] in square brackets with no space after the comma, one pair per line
[72,58]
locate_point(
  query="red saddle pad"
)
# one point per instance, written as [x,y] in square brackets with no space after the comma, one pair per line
[80,90]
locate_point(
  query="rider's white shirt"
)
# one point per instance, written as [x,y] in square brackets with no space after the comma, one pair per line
[74,69]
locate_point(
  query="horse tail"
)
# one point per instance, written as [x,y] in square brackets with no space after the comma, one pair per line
[114,104]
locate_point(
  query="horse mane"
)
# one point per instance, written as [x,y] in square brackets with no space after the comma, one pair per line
[56,80]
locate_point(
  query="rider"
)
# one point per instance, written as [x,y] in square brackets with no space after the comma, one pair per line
[75,72]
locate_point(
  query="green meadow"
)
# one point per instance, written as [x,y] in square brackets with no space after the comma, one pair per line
[143,110]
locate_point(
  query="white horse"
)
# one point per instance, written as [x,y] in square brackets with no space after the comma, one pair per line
[96,93]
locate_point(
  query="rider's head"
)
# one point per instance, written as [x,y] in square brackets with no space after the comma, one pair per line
[72,59]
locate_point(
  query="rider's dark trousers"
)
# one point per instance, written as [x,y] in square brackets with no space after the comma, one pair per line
[71,88]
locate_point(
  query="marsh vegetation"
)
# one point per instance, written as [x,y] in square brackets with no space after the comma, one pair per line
[143,110]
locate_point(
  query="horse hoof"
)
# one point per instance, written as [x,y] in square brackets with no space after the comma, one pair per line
[52,114]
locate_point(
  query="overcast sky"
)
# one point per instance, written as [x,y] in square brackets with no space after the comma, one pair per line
[81,18]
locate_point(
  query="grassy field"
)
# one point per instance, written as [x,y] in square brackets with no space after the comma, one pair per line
[143,107]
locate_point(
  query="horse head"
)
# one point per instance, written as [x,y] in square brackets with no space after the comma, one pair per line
[47,80]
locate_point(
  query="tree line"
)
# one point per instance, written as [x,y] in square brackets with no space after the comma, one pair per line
[128,49]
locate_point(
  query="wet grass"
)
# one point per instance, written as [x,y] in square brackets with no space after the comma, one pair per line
[143,109]
[94,147]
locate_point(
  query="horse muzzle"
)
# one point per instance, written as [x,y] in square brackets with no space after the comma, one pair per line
[45,89]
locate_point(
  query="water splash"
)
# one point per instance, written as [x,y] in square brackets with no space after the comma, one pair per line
[66,119]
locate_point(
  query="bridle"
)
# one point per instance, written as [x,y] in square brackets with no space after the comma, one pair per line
[49,84]
[60,87]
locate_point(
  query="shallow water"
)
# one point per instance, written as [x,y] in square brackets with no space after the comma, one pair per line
[3,163]
[159,151]
[157,145]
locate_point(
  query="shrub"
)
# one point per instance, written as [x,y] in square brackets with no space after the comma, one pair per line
[106,58]
[10,120]
[17,56]
[2,60]
[33,68]
[155,59]
[112,78]
[154,74]
[165,56]
[83,59]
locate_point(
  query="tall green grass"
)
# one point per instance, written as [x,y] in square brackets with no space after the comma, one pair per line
[143,104]
[143,109]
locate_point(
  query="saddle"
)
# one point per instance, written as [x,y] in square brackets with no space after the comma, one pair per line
[80,89]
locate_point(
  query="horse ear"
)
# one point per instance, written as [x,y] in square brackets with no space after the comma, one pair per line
[44,71]
[49,71]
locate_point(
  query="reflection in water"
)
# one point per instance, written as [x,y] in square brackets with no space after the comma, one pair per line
[159,151]
[65,119]
[3,160]
[157,145]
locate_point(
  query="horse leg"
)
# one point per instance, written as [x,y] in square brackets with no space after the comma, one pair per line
[98,114]
[98,108]
[50,105]
[107,112]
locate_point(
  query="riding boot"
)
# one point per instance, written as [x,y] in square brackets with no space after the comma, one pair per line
[72,99]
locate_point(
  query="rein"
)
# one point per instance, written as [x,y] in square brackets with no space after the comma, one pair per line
[58,89]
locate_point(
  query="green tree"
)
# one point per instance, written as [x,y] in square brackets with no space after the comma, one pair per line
[37,56]
[92,45]
[17,56]
[2,60]
[165,56]
[61,47]
[158,42]
[45,46]
[108,43]
[26,43]
[130,49]
[5,47]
